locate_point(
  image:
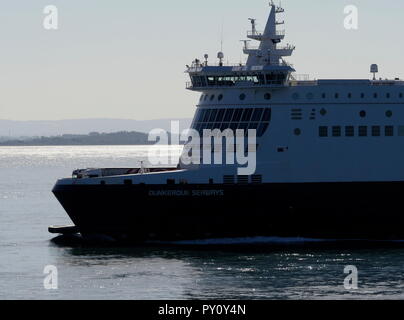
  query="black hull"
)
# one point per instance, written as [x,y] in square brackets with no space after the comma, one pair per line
[371,211]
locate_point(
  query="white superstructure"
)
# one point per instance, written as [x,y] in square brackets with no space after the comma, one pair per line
[307,130]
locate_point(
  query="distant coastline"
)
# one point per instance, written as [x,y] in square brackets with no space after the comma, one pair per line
[94,138]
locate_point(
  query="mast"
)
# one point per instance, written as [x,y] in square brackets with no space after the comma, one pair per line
[268,52]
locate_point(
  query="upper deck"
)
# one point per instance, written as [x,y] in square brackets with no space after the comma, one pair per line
[265,65]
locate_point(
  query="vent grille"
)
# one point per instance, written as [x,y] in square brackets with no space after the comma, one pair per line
[228,180]
[242,179]
[297,114]
[256,179]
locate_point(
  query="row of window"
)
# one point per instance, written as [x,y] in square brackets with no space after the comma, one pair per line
[267,96]
[337,95]
[234,119]
[295,96]
[233,115]
[361,131]
[231,80]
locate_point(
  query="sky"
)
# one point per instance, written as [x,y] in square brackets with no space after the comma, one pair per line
[126,58]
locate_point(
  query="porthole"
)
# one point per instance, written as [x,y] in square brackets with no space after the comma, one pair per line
[267,96]
[323,95]
[212,97]
[242,96]
[401,95]
[336,95]
[220,97]
[323,112]
[362,95]
[375,95]
[298,132]
[388,95]
[362,114]
[349,95]
[389,114]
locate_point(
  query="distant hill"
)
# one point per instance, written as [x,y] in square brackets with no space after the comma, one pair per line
[9,128]
[95,138]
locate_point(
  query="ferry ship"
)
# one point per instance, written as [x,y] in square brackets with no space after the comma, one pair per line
[329,163]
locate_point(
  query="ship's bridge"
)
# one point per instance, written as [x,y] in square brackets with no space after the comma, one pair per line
[265,65]
[205,76]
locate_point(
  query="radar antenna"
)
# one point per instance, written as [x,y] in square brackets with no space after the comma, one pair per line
[253,25]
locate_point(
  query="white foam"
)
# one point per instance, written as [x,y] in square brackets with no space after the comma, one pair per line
[241,241]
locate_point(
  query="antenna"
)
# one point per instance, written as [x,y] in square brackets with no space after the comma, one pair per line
[206,56]
[253,25]
[221,36]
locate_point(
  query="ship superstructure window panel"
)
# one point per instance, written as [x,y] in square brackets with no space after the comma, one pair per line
[389,131]
[363,131]
[349,131]
[376,131]
[233,118]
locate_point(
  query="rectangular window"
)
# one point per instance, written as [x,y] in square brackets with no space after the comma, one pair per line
[389,131]
[257,115]
[206,115]
[376,132]
[336,131]
[229,115]
[349,131]
[213,116]
[237,115]
[220,115]
[247,115]
[363,131]
[323,132]
[267,115]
